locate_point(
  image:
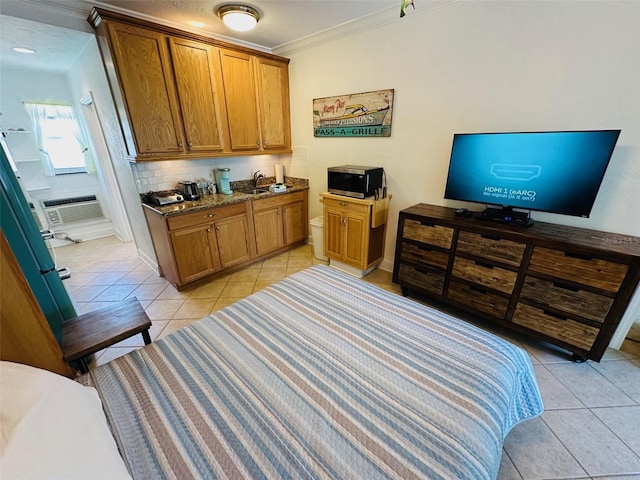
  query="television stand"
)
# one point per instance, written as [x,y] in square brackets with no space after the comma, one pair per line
[506,215]
[564,285]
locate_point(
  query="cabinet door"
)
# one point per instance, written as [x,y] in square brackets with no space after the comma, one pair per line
[232,235]
[199,83]
[268,226]
[240,96]
[333,234]
[293,223]
[145,79]
[195,252]
[273,101]
[356,228]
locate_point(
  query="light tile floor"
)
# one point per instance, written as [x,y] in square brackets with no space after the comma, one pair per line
[591,424]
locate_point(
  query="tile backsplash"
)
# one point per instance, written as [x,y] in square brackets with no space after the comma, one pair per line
[165,174]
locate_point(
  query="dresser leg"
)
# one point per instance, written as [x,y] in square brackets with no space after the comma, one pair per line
[578,358]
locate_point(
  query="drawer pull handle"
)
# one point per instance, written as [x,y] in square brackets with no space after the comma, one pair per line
[577,255]
[477,289]
[485,265]
[211,215]
[342,204]
[566,287]
[490,237]
[554,315]
[422,270]
[424,249]
[426,224]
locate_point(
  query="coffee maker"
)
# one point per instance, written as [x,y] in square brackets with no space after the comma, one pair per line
[223,176]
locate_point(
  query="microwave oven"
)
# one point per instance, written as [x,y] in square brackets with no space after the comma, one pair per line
[354,180]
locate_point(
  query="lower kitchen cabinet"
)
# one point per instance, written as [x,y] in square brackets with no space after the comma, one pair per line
[194,245]
[567,286]
[280,221]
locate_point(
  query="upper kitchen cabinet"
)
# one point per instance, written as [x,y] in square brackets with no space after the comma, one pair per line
[259,121]
[182,95]
[148,106]
[197,73]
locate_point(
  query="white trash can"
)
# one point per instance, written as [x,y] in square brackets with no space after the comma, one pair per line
[317,236]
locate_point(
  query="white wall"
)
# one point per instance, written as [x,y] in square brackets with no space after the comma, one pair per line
[481,67]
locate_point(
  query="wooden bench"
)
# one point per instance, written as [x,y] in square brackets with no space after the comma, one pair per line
[93,331]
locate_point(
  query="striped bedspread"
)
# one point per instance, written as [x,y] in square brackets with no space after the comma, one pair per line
[319,376]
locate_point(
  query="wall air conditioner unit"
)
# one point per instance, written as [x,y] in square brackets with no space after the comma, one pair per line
[64,211]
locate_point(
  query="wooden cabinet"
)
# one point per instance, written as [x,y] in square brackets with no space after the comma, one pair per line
[257,99]
[181,95]
[280,221]
[195,245]
[565,285]
[242,107]
[354,230]
[199,84]
[144,74]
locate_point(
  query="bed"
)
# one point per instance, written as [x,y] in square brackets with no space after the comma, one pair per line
[318,376]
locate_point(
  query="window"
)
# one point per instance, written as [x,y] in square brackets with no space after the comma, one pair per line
[59,139]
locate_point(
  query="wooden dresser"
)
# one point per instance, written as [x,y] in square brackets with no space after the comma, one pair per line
[568,286]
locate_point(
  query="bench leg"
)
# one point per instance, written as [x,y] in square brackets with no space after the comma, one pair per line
[84,366]
[146,336]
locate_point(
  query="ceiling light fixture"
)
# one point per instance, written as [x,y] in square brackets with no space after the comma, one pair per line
[238,17]
[23,50]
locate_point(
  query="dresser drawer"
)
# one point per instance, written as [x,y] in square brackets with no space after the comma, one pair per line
[500,250]
[483,274]
[594,272]
[424,255]
[579,302]
[478,299]
[566,330]
[427,233]
[423,279]
[205,216]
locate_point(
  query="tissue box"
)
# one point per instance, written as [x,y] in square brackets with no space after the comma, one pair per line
[277,188]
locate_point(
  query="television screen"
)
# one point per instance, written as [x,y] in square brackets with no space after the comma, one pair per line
[558,172]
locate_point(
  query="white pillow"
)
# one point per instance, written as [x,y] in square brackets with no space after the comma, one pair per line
[53,428]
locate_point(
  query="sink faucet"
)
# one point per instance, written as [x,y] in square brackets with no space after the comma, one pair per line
[257,177]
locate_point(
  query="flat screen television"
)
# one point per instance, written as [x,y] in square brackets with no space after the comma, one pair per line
[557,172]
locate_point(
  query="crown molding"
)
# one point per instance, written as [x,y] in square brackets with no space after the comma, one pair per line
[372,21]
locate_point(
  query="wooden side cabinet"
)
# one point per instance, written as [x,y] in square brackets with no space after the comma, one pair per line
[568,286]
[354,230]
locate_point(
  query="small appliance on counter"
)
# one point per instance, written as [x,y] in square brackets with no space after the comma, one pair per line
[165,198]
[277,188]
[189,190]
[356,181]
[223,179]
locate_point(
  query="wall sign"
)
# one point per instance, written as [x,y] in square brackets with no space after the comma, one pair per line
[355,115]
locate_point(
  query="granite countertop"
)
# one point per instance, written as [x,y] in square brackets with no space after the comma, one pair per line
[220,199]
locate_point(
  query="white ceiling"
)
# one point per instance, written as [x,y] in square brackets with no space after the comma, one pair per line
[30,23]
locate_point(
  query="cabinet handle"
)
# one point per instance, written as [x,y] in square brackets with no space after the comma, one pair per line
[190,144]
[278,212]
[258,143]
[217,227]
[554,315]
[577,255]
[480,264]
[264,144]
[477,289]
[180,144]
[565,287]
[424,249]
[209,230]
[489,237]
[424,223]
[211,215]
[342,204]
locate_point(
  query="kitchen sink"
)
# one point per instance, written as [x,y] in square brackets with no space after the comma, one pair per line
[255,191]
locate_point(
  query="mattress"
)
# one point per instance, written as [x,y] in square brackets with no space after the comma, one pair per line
[320,375]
